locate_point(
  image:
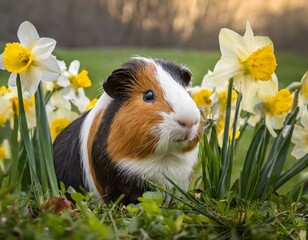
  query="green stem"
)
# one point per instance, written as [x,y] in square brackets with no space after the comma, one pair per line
[24,130]
[14,168]
[222,186]
[45,140]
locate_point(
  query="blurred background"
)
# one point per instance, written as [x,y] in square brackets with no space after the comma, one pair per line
[157,23]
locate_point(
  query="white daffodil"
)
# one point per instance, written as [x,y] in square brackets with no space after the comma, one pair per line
[31,59]
[51,85]
[5,153]
[79,99]
[72,79]
[250,61]
[300,137]
[303,95]
[57,100]
[59,120]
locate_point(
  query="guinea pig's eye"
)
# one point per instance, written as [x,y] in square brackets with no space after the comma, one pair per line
[148,96]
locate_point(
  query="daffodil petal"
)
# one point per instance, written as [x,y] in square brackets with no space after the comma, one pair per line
[30,79]
[74,67]
[297,136]
[232,45]
[269,88]
[223,71]
[43,48]
[304,119]
[248,89]
[262,41]
[27,34]
[270,128]
[12,79]
[299,151]
[2,66]
[50,69]
[249,38]
[69,93]
[63,81]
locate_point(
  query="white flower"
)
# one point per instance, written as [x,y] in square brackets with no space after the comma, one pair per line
[31,59]
[300,137]
[250,61]
[303,95]
[79,99]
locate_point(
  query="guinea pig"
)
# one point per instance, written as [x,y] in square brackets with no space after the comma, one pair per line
[145,126]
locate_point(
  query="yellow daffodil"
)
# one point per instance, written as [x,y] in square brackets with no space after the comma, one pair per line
[250,61]
[275,109]
[59,120]
[300,137]
[92,103]
[5,153]
[31,58]
[10,106]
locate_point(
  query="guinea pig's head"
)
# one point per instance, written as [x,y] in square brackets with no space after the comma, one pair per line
[154,114]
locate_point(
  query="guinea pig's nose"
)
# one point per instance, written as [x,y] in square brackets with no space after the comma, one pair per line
[187,123]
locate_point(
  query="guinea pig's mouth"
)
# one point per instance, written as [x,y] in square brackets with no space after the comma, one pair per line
[181,139]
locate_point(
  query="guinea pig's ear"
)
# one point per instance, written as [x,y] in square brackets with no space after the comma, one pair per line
[185,74]
[118,81]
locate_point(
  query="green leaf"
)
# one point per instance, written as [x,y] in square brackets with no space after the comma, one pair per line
[28,144]
[299,166]
[45,142]
[223,180]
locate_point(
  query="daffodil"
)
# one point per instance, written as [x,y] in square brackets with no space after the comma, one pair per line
[91,104]
[10,106]
[300,137]
[274,109]
[5,153]
[303,95]
[79,99]
[73,79]
[250,61]
[31,58]
[59,120]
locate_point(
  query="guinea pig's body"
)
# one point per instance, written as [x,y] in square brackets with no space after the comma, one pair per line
[144,127]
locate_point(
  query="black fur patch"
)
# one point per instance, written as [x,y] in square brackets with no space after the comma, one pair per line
[122,78]
[180,73]
[113,180]
[67,156]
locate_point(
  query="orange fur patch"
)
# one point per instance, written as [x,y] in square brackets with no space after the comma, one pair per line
[94,128]
[193,143]
[130,132]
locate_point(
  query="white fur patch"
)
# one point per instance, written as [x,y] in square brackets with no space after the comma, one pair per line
[101,104]
[184,109]
[176,166]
